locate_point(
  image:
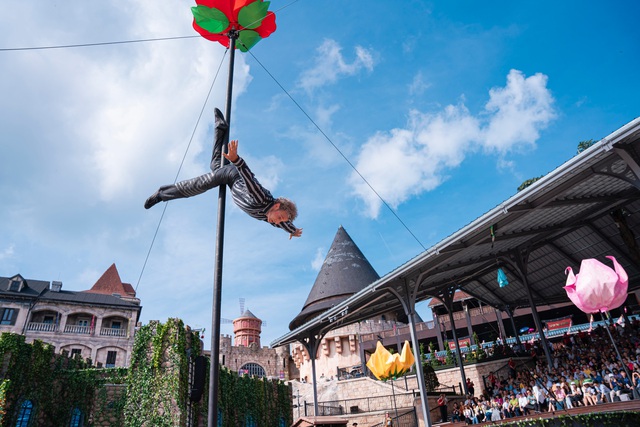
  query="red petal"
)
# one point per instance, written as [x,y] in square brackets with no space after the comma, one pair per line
[268,25]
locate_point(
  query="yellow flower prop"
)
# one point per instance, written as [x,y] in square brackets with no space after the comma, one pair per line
[385,365]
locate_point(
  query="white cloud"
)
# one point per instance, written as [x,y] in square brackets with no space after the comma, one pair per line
[418,85]
[318,260]
[330,65]
[7,252]
[404,163]
[518,111]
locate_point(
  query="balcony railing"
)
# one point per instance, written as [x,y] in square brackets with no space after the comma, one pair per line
[113,332]
[42,327]
[77,329]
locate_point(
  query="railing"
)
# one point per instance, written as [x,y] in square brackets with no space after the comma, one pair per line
[113,332]
[407,419]
[42,327]
[77,329]
[363,404]
[350,372]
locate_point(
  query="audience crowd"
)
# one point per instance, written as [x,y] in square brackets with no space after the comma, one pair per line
[585,371]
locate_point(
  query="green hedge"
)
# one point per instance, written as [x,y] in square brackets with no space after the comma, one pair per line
[597,419]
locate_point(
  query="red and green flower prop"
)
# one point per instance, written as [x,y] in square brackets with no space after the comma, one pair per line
[214,19]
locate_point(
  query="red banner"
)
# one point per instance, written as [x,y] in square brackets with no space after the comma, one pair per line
[564,322]
[464,342]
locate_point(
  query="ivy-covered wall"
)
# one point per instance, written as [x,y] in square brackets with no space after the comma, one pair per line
[55,384]
[159,388]
[154,392]
[158,384]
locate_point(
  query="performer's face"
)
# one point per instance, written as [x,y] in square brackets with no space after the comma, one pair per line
[276,216]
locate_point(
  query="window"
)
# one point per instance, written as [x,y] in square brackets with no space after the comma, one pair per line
[76,351]
[9,316]
[252,369]
[283,422]
[111,359]
[48,320]
[116,324]
[83,322]
[24,416]
[76,418]
[250,421]
[14,285]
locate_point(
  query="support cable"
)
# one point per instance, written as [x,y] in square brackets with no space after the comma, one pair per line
[68,46]
[155,234]
[338,150]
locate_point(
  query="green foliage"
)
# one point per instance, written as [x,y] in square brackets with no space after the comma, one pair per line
[449,358]
[528,182]
[430,378]
[264,400]
[583,145]
[54,383]
[596,419]
[157,383]
[159,375]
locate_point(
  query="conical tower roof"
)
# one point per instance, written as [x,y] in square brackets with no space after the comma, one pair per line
[344,272]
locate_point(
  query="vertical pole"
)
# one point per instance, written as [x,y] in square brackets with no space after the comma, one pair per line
[419,372]
[212,416]
[522,266]
[447,299]
[436,321]
[469,326]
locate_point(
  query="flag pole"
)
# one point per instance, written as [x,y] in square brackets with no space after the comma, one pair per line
[214,365]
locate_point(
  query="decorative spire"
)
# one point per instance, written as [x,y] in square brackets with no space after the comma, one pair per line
[345,271]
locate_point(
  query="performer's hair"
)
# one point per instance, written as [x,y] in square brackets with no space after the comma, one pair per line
[289,207]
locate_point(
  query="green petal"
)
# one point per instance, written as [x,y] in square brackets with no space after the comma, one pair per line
[211,19]
[248,39]
[251,15]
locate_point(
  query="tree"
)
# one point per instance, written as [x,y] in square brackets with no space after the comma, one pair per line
[528,182]
[583,145]
[430,378]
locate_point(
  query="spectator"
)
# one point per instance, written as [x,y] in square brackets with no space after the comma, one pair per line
[455,413]
[442,404]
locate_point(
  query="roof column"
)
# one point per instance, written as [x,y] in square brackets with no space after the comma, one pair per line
[521,262]
[436,322]
[447,299]
[407,296]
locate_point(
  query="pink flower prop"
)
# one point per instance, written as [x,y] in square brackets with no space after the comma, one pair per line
[597,287]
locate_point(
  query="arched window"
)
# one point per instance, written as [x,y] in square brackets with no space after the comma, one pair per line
[252,369]
[283,422]
[24,416]
[76,418]
[250,421]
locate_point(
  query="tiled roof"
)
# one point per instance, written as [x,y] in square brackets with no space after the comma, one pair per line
[110,283]
[345,271]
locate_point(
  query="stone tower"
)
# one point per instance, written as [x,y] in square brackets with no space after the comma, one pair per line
[246,330]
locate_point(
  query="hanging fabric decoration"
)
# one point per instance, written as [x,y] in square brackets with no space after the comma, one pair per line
[214,19]
[597,287]
[502,278]
[493,235]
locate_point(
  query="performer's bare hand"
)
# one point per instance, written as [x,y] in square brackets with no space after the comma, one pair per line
[296,233]
[232,154]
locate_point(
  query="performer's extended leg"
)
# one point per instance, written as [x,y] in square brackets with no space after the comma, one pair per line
[219,138]
[225,175]
[195,186]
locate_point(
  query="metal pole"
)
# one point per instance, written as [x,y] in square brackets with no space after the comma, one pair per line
[419,372]
[624,365]
[212,416]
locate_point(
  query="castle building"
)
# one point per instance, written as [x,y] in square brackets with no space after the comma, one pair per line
[98,323]
[246,356]
[344,272]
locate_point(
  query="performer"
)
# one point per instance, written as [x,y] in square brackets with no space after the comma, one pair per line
[246,191]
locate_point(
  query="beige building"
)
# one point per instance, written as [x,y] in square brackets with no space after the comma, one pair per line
[246,356]
[98,323]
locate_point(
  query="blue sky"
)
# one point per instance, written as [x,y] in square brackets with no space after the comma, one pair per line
[445,108]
